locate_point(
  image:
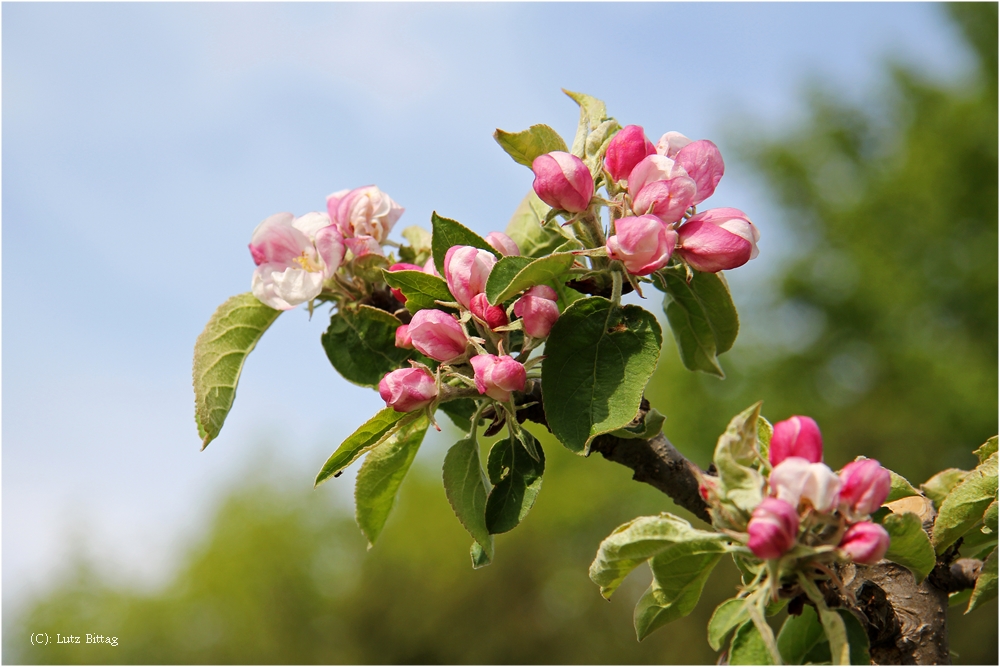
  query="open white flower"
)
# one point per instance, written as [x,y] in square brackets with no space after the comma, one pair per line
[294,257]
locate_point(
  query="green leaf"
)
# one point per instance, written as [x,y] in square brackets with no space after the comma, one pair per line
[592,114]
[899,488]
[909,545]
[799,635]
[448,233]
[857,639]
[679,575]
[361,345]
[726,617]
[479,556]
[960,598]
[651,424]
[369,267]
[512,275]
[527,230]
[739,483]
[748,647]
[633,543]
[528,144]
[466,486]
[599,359]
[381,474]
[219,353]
[460,412]
[940,485]
[369,435]
[990,518]
[986,585]
[421,289]
[836,635]
[702,317]
[764,433]
[965,505]
[988,449]
[517,479]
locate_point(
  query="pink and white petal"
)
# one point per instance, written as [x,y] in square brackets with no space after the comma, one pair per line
[275,240]
[363,245]
[670,143]
[263,287]
[330,246]
[297,286]
[310,223]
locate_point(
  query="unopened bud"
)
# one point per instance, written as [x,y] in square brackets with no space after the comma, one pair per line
[503,244]
[563,181]
[865,542]
[407,389]
[864,486]
[718,239]
[491,316]
[437,334]
[773,527]
[497,376]
[466,269]
[403,337]
[703,162]
[643,244]
[538,310]
[625,150]
[796,436]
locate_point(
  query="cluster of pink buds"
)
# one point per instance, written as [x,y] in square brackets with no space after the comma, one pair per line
[664,183]
[469,346]
[804,491]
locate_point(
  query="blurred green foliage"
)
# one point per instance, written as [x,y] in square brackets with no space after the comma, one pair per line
[883,326]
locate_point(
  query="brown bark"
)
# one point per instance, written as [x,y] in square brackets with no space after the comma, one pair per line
[905,622]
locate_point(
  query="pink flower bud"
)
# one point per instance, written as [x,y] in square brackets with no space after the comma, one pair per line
[563,181]
[718,239]
[796,479]
[643,244]
[402,266]
[864,486]
[466,270]
[497,376]
[667,200]
[407,389]
[503,244]
[773,527]
[430,269]
[796,436]
[865,542]
[670,143]
[437,334]
[366,213]
[491,316]
[403,339]
[625,150]
[538,310]
[703,162]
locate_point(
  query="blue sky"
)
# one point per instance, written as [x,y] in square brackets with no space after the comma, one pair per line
[142,143]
